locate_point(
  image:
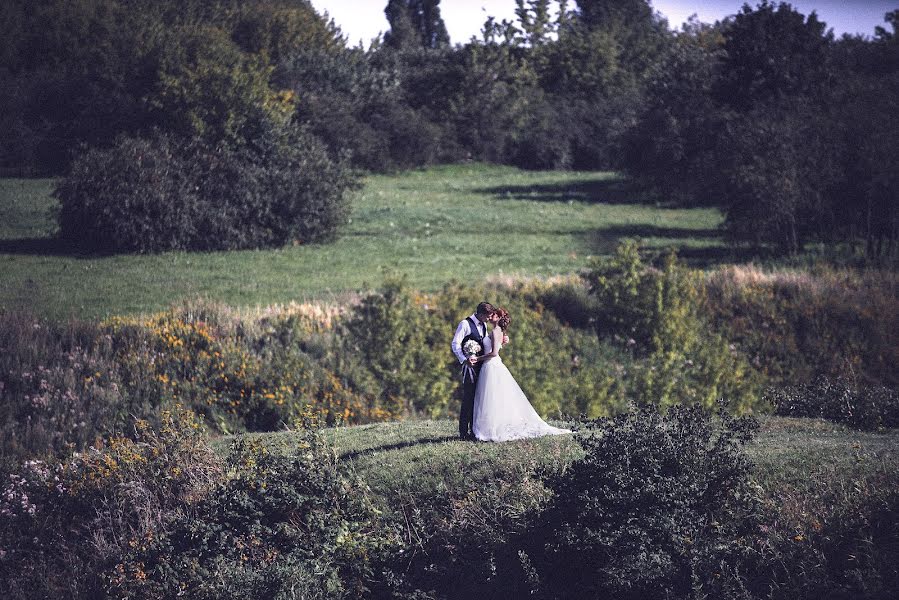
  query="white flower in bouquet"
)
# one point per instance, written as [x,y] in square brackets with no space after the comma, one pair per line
[471,348]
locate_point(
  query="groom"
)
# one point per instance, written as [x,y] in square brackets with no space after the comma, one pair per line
[473,327]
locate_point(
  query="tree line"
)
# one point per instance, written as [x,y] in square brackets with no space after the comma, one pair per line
[765,114]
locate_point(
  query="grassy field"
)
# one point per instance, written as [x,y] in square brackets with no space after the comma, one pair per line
[807,465]
[465,222]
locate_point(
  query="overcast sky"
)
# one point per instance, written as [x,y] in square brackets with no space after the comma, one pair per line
[364,19]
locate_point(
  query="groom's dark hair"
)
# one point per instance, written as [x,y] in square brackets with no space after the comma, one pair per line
[485,308]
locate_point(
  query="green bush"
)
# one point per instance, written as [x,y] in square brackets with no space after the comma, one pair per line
[158,194]
[161,516]
[656,314]
[401,339]
[654,509]
[65,386]
[838,400]
[405,348]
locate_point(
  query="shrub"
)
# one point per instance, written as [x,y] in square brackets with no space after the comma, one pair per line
[654,509]
[236,376]
[61,388]
[795,325]
[64,524]
[66,386]
[402,340]
[655,312]
[838,400]
[405,348]
[157,194]
[162,517]
[280,525]
[830,529]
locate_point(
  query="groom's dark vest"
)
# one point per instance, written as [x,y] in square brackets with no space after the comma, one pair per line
[475,335]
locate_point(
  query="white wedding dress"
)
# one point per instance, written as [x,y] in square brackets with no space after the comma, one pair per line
[502,412]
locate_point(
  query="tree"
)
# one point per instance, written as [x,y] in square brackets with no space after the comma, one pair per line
[772,52]
[415,23]
[208,87]
[534,20]
[670,150]
[639,32]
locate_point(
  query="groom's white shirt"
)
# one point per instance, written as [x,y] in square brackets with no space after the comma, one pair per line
[461,331]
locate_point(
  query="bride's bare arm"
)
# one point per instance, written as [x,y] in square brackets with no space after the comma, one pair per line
[497,337]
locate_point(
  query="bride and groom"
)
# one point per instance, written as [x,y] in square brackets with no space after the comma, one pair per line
[493,406]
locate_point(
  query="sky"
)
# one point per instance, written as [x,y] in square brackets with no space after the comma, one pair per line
[362,20]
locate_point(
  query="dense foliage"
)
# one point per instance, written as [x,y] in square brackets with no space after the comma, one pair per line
[657,507]
[658,312]
[771,119]
[839,400]
[765,114]
[158,515]
[151,195]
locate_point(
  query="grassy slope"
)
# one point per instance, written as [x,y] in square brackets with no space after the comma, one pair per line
[806,463]
[434,225]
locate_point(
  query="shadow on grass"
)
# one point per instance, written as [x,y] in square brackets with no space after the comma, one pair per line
[46,246]
[606,191]
[397,446]
[645,230]
[715,250]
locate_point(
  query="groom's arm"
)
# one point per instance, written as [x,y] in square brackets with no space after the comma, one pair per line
[461,331]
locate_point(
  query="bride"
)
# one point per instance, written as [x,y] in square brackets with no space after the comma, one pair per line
[501,410]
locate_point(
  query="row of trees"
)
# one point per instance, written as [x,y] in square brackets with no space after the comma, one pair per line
[765,114]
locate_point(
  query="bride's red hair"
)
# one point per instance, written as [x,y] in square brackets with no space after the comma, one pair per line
[504,318]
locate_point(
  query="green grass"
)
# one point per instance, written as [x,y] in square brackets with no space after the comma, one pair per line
[471,222]
[807,463]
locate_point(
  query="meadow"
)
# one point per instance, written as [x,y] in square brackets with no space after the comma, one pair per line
[472,223]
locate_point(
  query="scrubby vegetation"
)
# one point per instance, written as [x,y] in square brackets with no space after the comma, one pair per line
[735,426]
[672,504]
[628,332]
[111,488]
[158,515]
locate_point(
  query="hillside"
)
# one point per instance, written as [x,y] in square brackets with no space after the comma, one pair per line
[459,222]
[807,459]
[825,521]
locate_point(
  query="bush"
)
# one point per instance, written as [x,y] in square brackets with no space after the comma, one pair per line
[828,531]
[401,339]
[158,194]
[405,349]
[655,313]
[237,374]
[655,508]
[838,400]
[64,524]
[61,389]
[66,386]
[796,325]
[162,517]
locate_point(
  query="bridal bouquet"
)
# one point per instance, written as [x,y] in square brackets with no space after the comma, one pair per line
[471,348]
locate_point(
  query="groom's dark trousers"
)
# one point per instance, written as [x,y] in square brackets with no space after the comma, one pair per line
[467,411]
